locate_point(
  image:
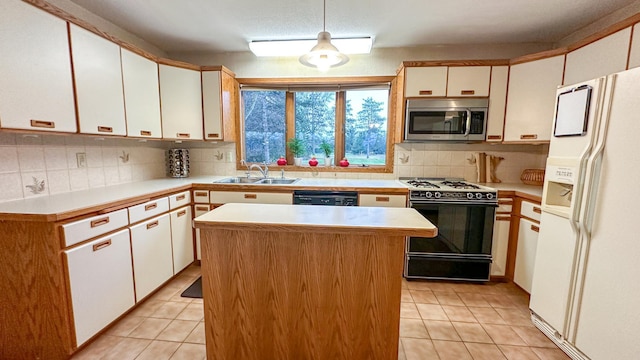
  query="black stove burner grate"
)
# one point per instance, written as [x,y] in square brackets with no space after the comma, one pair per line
[422,184]
[460,185]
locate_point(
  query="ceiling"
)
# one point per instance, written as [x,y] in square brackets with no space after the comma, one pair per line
[228,25]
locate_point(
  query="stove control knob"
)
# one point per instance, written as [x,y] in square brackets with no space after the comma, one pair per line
[489,196]
[469,196]
[438,195]
[429,194]
[478,196]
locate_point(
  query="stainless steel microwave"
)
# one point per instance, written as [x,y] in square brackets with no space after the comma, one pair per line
[463,120]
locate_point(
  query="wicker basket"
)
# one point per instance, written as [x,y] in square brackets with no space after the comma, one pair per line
[533,177]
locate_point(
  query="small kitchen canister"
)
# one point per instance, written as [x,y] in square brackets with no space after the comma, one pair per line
[178,163]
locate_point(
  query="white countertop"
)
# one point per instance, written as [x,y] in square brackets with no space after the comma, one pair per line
[76,201]
[278,217]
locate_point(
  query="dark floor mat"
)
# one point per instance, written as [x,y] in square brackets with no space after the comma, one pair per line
[195,290]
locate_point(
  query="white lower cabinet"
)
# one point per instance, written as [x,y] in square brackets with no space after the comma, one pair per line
[526,254]
[382,200]
[500,244]
[181,238]
[101,283]
[152,254]
[199,209]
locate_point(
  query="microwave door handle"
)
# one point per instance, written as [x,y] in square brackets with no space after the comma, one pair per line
[468,129]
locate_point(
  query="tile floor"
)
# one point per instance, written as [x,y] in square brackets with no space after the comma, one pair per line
[438,320]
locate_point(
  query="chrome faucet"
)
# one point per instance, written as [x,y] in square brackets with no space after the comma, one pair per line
[264,172]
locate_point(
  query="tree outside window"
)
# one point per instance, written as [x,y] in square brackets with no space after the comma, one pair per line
[264,125]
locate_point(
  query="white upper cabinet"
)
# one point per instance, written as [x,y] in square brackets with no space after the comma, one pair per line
[603,57]
[531,100]
[425,81]
[468,81]
[212,105]
[181,103]
[98,77]
[634,53]
[35,70]
[142,95]
[497,102]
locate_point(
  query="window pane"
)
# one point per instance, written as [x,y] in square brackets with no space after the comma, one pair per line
[264,125]
[366,126]
[315,120]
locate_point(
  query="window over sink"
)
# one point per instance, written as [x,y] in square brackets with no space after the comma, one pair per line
[352,118]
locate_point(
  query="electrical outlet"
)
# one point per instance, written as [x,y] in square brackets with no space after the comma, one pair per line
[81,160]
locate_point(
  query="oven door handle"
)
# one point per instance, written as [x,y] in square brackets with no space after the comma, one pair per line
[466,258]
[467,131]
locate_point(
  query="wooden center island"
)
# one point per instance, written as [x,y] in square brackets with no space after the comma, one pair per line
[304,282]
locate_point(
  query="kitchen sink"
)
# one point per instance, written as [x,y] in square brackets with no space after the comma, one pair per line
[276,181]
[253,180]
[237,180]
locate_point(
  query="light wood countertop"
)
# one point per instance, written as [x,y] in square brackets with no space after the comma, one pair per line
[309,218]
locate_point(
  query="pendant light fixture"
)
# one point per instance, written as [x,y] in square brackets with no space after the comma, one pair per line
[324,55]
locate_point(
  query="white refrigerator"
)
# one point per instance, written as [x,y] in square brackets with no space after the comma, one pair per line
[585,294]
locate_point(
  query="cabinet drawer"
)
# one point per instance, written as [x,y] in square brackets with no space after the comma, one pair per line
[200,209]
[148,209]
[382,200]
[200,196]
[179,200]
[504,206]
[223,197]
[530,210]
[94,278]
[82,230]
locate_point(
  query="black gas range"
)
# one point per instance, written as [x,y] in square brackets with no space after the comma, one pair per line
[464,213]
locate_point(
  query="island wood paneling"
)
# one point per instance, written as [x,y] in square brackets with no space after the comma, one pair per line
[34,322]
[273,295]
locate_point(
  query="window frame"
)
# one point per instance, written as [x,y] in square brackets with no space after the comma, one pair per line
[290,85]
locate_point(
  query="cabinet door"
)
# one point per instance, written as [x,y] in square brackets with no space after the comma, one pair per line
[223,197]
[181,99]
[634,53]
[37,90]
[212,105]
[603,57]
[142,95]
[382,200]
[526,254]
[181,238]
[497,102]
[152,254]
[101,283]
[468,81]
[500,244]
[425,81]
[98,77]
[531,100]
[199,210]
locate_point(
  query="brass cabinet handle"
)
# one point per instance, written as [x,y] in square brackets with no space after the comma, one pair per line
[528,137]
[425,92]
[213,135]
[199,193]
[107,129]
[43,124]
[494,137]
[145,133]
[503,218]
[152,225]
[100,222]
[150,206]
[182,213]
[382,198]
[535,228]
[202,208]
[467,92]
[183,135]
[250,196]
[537,210]
[102,245]
[181,197]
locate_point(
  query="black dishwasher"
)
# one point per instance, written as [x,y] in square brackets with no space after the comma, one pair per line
[322,197]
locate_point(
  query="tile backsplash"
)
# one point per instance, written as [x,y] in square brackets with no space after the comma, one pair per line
[37,165]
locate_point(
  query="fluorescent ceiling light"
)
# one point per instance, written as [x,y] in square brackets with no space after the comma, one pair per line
[360,45]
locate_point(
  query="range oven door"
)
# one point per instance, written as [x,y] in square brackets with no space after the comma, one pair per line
[462,248]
